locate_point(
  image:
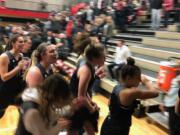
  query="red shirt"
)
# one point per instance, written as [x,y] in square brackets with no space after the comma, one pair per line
[168,5]
[120,6]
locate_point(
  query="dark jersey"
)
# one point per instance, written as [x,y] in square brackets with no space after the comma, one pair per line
[43,71]
[11,88]
[75,81]
[21,130]
[119,120]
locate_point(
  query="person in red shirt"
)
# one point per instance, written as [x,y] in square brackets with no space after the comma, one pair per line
[2,4]
[168,6]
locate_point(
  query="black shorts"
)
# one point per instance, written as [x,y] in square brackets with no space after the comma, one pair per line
[113,127]
[83,115]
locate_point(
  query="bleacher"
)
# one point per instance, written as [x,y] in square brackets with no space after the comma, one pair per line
[149,48]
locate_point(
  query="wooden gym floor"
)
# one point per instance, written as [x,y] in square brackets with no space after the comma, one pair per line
[139,126]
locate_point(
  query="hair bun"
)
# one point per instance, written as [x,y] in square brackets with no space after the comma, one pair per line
[130,61]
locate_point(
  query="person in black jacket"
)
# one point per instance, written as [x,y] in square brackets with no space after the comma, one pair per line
[156,6]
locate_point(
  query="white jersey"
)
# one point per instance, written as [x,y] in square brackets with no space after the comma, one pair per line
[32,94]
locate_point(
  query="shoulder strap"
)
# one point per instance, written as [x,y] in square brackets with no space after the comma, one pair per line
[28,105]
[10,56]
[90,67]
[42,70]
[117,89]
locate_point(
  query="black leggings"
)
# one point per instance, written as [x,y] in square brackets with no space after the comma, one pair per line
[174,121]
[111,127]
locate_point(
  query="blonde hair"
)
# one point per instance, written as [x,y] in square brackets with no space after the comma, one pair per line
[33,62]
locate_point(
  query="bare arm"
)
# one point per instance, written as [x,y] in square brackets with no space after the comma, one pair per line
[84,75]
[5,75]
[36,125]
[84,78]
[139,94]
[147,83]
[34,77]
[129,95]
[177,106]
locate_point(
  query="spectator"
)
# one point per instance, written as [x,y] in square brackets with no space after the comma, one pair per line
[168,6]
[108,30]
[120,15]
[50,37]
[2,4]
[36,40]
[156,6]
[121,55]
[177,8]
[89,14]
[27,46]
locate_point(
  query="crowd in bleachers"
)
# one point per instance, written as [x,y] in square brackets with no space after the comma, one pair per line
[53,99]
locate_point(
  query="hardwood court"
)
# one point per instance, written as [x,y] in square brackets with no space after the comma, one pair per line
[9,121]
[139,126]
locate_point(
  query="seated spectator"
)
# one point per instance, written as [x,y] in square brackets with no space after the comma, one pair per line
[121,55]
[98,27]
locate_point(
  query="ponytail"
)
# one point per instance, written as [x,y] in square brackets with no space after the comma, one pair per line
[94,51]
